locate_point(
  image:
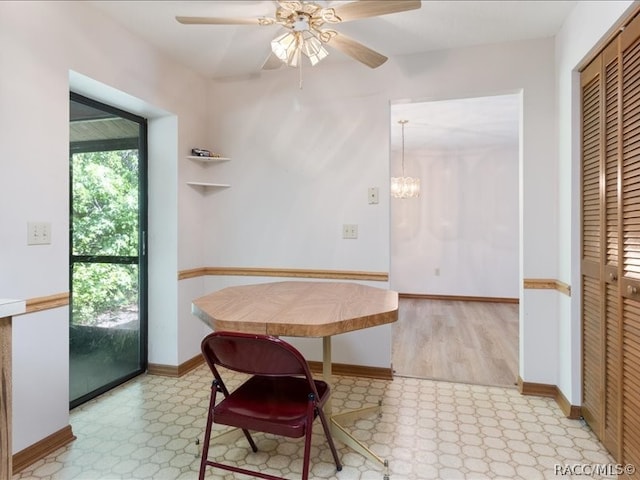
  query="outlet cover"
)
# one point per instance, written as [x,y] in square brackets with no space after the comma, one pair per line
[38,233]
[373,195]
[349,231]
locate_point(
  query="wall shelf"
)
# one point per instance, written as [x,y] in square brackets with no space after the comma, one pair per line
[209,185]
[207,159]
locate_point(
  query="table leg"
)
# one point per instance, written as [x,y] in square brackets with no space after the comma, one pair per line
[337,430]
[326,370]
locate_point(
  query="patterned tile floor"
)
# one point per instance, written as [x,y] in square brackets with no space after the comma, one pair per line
[147,429]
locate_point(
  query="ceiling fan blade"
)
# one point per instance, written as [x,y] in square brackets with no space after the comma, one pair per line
[218,21]
[357,51]
[272,62]
[374,8]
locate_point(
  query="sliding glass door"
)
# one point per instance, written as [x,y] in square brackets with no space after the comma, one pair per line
[107,262]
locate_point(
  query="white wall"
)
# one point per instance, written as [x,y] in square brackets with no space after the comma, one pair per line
[582,34]
[301,165]
[304,159]
[461,236]
[46,46]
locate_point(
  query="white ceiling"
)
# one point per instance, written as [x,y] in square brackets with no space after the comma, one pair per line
[219,51]
[457,124]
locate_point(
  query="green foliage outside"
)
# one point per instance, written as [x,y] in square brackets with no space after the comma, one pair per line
[104,223]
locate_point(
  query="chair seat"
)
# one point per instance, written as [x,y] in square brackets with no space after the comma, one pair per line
[277,405]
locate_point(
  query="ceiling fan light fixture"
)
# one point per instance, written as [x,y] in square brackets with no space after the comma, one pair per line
[300,23]
[285,47]
[309,17]
[312,48]
[290,45]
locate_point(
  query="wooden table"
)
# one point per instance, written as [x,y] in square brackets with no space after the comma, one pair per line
[8,308]
[302,309]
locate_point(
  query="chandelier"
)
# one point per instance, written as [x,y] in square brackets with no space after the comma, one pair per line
[404,187]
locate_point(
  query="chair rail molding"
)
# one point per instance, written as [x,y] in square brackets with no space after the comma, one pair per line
[283,272]
[547,284]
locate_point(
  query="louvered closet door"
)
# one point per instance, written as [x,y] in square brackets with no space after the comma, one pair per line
[611,246]
[612,313]
[592,299]
[601,236]
[630,335]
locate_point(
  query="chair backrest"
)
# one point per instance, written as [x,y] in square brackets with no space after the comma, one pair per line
[254,354]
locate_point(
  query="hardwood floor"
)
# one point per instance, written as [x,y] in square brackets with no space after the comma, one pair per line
[458,341]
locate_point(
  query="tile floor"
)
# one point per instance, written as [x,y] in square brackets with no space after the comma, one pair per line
[147,429]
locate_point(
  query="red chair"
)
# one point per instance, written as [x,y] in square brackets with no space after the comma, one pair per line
[280,397]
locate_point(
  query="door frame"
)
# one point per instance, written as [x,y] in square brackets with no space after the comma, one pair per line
[143,293]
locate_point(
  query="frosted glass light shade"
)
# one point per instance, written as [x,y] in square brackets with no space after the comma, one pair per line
[285,47]
[405,187]
[289,46]
[312,48]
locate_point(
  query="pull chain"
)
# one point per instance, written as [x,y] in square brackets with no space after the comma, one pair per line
[300,78]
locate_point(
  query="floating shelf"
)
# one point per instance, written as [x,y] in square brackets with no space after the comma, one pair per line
[209,185]
[195,158]
[207,161]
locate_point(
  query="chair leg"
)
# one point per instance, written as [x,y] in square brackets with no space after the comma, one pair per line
[307,441]
[207,434]
[250,440]
[327,432]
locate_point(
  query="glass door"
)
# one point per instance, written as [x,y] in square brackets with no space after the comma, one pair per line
[107,264]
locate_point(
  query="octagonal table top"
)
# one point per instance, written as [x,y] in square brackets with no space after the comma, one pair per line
[297,308]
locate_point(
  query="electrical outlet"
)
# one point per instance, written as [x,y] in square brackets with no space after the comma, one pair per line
[38,233]
[373,195]
[349,231]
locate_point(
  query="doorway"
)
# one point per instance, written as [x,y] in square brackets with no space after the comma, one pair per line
[455,248]
[108,258]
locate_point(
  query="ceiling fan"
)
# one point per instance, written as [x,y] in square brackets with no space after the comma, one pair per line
[306,29]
